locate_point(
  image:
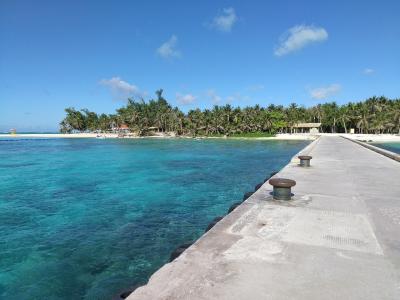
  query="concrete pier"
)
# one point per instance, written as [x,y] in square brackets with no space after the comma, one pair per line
[338,238]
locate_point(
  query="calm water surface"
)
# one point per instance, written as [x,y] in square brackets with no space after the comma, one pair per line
[87,218]
[394,147]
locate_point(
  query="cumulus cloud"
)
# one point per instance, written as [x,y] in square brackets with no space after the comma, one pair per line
[120,88]
[298,37]
[169,48]
[212,95]
[216,99]
[185,99]
[225,21]
[368,71]
[324,92]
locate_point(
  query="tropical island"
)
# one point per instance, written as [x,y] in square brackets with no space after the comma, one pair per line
[375,115]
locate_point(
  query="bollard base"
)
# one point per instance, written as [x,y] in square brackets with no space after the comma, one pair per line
[282,188]
[281,193]
[305,163]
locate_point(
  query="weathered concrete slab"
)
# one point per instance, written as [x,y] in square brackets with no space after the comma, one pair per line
[339,238]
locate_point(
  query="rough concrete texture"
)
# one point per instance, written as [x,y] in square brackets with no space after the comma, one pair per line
[339,238]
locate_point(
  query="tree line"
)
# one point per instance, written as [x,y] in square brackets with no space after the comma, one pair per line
[373,115]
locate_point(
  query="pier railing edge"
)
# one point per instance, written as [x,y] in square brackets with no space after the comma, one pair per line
[378,150]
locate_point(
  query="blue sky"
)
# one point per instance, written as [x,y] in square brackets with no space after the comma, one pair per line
[94,54]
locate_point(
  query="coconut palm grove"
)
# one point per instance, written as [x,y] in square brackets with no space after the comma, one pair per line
[373,115]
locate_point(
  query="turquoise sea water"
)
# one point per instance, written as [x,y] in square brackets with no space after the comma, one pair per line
[394,147]
[88,218]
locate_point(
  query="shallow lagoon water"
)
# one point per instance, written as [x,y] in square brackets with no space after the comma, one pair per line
[87,218]
[394,147]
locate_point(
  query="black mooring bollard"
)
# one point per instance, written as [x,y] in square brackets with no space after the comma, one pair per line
[282,188]
[305,160]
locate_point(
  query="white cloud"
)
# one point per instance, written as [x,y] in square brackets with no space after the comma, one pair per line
[236,97]
[225,21]
[215,99]
[168,49]
[298,37]
[324,92]
[230,99]
[185,99]
[120,88]
[368,71]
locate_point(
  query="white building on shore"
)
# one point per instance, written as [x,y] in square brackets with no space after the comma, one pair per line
[312,128]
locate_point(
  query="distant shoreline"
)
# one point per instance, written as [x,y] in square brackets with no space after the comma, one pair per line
[115,136]
[296,136]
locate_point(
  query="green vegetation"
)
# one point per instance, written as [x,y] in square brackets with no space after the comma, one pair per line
[374,115]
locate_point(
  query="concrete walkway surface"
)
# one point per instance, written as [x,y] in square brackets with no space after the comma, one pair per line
[339,238]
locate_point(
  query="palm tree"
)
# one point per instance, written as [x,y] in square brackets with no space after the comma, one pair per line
[376,114]
[292,115]
[363,118]
[344,116]
[396,115]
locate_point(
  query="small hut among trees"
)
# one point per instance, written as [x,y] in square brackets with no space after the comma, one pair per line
[307,128]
